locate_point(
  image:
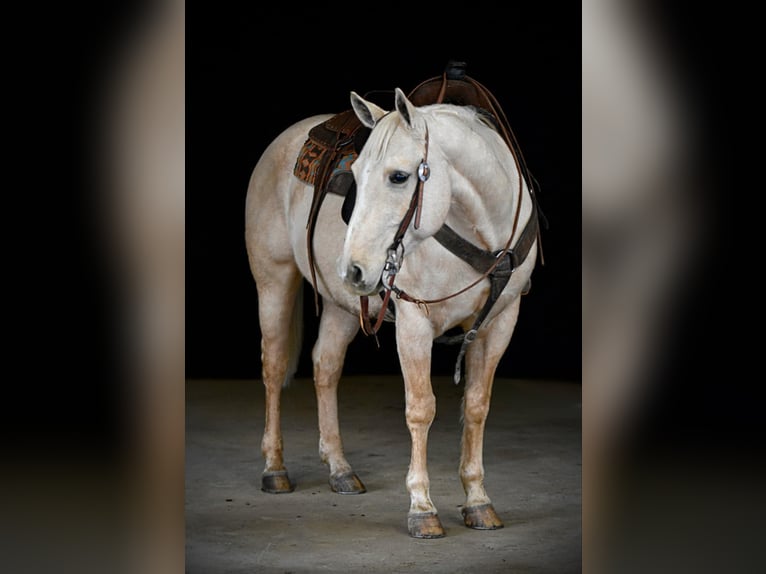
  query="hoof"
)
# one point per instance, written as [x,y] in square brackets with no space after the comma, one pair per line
[347,483]
[276,482]
[425,525]
[481,517]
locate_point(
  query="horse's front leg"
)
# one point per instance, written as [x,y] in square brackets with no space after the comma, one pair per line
[482,358]
[337,329]
[414,338]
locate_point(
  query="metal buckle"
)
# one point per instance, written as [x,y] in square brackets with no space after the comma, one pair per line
[424,171]
[393,263]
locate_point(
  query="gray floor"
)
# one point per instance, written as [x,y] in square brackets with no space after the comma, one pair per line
[532,460]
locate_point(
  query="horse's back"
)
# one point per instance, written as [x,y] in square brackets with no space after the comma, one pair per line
[270,191]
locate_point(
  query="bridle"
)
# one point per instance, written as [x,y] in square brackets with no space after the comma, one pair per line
[395,253]
[496,266]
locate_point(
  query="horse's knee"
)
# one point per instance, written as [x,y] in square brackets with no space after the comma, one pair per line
[274,362]
[475,409]
[327,362]
[326,371]
[421,411]
[273,374]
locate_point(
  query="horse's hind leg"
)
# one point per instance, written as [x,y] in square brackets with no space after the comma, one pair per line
[337,329]
[278,308]
[482,358]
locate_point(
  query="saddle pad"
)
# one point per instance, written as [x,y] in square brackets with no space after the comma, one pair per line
[310,159]
[332,146]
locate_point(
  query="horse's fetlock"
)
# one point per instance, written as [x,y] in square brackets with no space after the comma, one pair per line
[471,474]
[417,483]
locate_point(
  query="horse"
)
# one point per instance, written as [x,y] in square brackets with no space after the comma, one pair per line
[423,169]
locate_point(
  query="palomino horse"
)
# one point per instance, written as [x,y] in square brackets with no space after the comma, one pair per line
[477,191]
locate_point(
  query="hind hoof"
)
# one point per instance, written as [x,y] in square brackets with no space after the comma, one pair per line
[347,483]
[481,517]
[276,482]
[425,525]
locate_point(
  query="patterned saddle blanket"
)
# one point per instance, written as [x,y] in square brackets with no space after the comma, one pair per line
[331,148]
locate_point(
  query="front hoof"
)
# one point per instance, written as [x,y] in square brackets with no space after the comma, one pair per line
[481,517]
[347,483]
[425,525]
[276,482]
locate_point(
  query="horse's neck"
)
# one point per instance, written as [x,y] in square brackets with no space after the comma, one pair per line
[485,183]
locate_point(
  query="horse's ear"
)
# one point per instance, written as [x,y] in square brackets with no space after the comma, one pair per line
[367,112]
[405,107]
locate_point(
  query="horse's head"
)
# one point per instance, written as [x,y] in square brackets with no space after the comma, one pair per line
[387,173]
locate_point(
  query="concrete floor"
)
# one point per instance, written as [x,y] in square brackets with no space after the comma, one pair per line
[532,460]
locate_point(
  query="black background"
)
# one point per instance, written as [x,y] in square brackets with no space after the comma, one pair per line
[249,75]
[244,88]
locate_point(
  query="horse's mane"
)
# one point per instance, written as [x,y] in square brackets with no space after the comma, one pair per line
[486,118]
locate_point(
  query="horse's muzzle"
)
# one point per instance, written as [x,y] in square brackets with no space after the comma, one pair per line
[359,281]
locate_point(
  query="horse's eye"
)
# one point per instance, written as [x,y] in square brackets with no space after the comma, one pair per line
[398,177]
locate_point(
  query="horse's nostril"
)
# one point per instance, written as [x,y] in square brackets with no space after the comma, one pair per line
[356,274]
